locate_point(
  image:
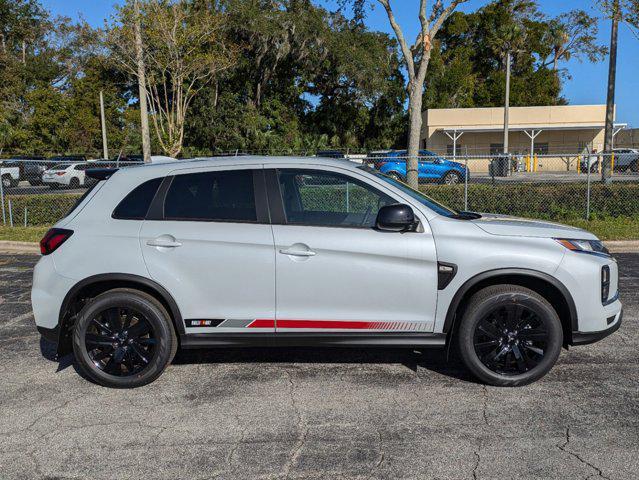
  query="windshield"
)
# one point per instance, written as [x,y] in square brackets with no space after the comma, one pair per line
[419,196]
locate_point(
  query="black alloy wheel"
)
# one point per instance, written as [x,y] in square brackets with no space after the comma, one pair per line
[120,341]
[511,339]
[123,338]
[509,335]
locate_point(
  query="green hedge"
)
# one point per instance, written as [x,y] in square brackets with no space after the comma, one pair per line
[542,200]
[550,201]
[42,210]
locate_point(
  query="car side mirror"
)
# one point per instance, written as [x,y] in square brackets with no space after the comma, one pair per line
[398,217]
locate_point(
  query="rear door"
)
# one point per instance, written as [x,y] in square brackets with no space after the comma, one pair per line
[335,272]
[208,241]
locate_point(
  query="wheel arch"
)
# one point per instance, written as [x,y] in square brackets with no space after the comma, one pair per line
[95,285]
[546,285]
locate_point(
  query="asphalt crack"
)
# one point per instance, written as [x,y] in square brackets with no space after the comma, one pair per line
[563,448]
[301,426]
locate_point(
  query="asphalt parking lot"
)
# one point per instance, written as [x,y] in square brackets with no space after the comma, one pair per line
[316,413]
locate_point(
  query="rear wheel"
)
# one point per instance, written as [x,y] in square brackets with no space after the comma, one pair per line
[451,178]
[634,166]
[123,339]
[6,181]
[509,336]
[395,176]
[74,183]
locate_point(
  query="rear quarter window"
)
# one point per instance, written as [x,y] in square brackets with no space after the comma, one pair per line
[136,204]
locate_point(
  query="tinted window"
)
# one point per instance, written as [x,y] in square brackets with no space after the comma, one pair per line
[321,198]
[135,205]
[223,196]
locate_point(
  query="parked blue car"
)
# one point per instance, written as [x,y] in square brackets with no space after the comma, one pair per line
[431,167]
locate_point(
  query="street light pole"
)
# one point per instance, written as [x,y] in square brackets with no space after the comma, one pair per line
[507,102]
[610,102]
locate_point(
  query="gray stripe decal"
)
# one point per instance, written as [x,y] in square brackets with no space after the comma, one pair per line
[236,322]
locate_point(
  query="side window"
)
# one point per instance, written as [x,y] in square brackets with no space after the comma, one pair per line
[226,196]
[322,198]
[135,205]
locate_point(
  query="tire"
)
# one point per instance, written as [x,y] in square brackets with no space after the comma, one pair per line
[117,360]
[74,183]
[451,178]
[634,166]
[396,176]
[533,326]
[7,182]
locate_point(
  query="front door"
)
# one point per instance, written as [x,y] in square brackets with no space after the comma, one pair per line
[213,250]
[335,272]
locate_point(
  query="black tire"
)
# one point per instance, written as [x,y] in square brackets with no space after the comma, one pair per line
[451,178]
[396,176]
[74,183]
[7,182]
[634,166]
[116,359]
[519,323]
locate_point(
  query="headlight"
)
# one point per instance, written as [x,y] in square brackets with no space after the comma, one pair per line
[595,247]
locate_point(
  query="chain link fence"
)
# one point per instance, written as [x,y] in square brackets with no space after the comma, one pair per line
[38,192]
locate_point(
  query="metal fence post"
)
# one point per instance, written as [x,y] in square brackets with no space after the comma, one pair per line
[466,183]
[4,213]
[588,191]
[10,213]
[25,216]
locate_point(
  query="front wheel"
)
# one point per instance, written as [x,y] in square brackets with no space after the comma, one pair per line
[123,339]
[509,336]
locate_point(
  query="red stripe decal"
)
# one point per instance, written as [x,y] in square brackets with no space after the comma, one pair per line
[262,323]
[346,325]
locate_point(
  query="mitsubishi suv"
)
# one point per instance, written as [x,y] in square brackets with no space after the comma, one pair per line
[268,251]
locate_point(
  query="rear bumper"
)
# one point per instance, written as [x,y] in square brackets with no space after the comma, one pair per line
[585,338]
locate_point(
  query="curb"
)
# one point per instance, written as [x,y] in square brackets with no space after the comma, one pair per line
[622,246]
[10,246]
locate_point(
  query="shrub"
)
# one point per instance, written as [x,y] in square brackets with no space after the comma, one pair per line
[41,209]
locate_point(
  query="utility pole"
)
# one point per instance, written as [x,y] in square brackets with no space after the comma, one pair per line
[105,148]
[507,102]
[610,102]
[144,118]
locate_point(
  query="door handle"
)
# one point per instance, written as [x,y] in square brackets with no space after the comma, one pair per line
[298,253]
[156,242]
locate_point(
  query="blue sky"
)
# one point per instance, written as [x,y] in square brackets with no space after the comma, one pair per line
[588,83]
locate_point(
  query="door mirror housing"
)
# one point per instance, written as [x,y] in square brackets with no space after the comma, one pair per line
[398,217]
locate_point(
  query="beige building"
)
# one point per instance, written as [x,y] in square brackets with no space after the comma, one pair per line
[562,132]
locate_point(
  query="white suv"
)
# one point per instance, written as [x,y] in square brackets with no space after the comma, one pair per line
[309,251]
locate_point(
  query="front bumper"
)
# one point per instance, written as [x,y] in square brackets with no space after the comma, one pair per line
[585,338]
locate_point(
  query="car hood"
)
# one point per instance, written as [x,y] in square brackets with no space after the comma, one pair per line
[524,227]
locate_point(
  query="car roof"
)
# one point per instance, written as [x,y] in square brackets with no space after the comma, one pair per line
[165,167]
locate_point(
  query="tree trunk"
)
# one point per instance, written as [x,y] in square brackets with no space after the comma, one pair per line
[144,118]
[414,133]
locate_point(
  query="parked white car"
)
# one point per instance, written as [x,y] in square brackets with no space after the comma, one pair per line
[69,175]
[309,251]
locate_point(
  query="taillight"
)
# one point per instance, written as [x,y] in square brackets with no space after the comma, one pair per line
[379,165]
[59,174]
[53,239]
